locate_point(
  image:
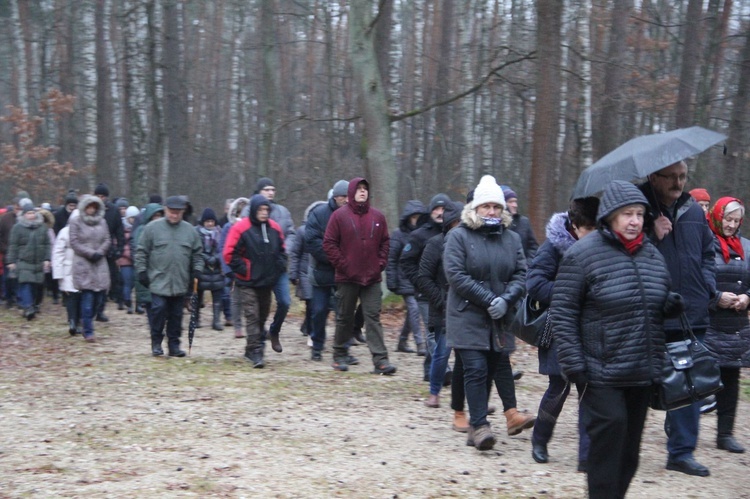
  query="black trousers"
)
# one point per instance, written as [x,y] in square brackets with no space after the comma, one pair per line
[615,427]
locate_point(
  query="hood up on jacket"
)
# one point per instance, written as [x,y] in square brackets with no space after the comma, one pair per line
[235,209]
[150,210]
[413,207]
[310,208]
[33,224]
[619,194]
[256,202]
[87,201]
[452,213]
[359,208]
[558,234]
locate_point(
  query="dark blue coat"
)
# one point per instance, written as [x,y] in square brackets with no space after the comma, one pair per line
[396,279]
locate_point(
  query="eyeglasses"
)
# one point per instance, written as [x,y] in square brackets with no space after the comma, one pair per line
[674,177]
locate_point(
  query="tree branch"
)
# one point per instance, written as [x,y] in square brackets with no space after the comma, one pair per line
[461,95]
[375,19]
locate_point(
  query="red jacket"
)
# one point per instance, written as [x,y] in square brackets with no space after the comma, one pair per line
[356,241]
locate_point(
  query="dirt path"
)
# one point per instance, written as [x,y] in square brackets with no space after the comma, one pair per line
[108,420]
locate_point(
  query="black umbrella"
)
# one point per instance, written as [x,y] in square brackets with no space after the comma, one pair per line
[193,306]
[639,157]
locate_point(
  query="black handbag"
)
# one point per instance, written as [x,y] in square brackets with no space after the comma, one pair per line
[531,322]
[690,373]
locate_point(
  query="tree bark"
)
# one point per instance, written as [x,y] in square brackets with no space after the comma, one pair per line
[691,57]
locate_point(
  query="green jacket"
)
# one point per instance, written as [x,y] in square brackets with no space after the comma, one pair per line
[170,254]
[29,247]
[142,294]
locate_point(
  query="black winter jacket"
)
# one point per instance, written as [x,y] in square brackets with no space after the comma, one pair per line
[116,230]
[432,281]
[412,252]
[521,225]
[321,271]
[396,278]
[481,263]
[607,305]
[728,336]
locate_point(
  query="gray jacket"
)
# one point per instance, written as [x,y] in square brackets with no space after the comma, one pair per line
[89,234]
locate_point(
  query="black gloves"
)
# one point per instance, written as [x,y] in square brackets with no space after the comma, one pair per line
[579,378]
[96,257]
[143,279]
[674,305]
[197,275]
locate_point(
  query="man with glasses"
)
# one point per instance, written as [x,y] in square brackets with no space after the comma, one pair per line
[682,235]
[281,292]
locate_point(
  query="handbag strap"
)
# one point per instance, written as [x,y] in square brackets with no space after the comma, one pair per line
[687,331]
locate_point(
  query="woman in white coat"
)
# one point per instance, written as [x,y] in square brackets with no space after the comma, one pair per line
[62,271]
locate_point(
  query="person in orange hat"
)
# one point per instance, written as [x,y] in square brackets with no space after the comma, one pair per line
[701,195]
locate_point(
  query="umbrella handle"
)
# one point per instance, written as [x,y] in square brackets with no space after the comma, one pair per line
[195,285]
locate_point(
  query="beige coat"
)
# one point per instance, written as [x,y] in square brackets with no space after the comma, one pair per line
[89,235]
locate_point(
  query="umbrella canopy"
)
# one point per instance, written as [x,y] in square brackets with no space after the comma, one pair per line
[642,156]
[194,309]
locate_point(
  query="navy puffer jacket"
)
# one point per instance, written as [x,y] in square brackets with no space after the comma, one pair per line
[607,305]
[728,336]
[396,278]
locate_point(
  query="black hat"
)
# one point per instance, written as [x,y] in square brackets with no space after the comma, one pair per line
[176,203]
[102,190]
[71,197]
[208,214]
[155,198]
[263,182]
[439,200]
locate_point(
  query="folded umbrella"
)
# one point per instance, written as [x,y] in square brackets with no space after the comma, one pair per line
[642,156]
[194,310]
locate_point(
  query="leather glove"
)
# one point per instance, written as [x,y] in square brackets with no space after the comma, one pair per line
[578,377]
[96,257]
[498,308]
[143,279]
[674,305]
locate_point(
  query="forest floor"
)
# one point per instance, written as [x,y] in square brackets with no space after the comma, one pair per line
[109,420]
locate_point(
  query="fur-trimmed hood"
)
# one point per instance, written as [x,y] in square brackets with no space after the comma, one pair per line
[558,234]
[87,201]
[234,211]
[32,224]
[471,220]
[310,208]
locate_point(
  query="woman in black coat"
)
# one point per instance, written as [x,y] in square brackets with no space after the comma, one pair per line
[486,269]
[607,313]
[212,278]
[728,336]
[563,230]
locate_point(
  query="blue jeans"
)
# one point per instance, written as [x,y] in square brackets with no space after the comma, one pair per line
[439,362]
[479,371]
[321,306]
[167,310]
[412,321]
[127,275]
[424,312]
[89,305]
[26,294]
[283,302]
[683,424]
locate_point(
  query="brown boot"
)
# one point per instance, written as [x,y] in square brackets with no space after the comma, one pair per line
[483,437]
[518,422]
[433,401]
[460,423]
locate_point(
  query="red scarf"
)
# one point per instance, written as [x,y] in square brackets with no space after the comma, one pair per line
[631,246]
[715,217]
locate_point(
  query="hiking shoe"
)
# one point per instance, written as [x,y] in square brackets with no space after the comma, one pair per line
[176,353]
[316,355]
[483,437]
[340,365]
[385,368]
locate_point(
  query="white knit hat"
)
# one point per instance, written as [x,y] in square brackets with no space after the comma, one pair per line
[132,211]
[488,192]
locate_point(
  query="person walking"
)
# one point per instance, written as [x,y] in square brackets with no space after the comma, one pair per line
[10,278]
[702,197]
[151,212]
[413,216]
[62,270]
[70,203]
[28,257]
[90,240]
[321,273]
[114,223]
[609,302]
[356,242]
[486,270]
[563,230]
[212,277]
[167,260]
[728,334]
[125,262]
[255,252]
[231,299]
[681,234]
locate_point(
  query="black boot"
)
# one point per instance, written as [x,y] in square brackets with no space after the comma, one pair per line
[216,324]
[725,439]
[156,350]
[403,346]
[72,329]
[129,306]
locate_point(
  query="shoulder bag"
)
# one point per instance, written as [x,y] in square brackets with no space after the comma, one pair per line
[531,323]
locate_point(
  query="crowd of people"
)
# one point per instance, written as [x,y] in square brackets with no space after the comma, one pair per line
[616,273]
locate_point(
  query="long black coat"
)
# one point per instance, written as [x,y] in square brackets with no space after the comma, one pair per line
[481,263]
[396,279]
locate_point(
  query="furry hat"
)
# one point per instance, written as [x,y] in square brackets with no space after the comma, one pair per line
[488,192]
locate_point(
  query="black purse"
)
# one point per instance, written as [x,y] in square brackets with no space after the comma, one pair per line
[531,323]
[690,373]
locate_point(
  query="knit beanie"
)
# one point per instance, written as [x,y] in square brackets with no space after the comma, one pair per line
[132,211]
[700,194]
[487,192]
[439,200]
[71,197]
[509,193]
[26,205]
[102,190]
[208,214]
[263,182]
[155,199]
[121,203]
[340,188]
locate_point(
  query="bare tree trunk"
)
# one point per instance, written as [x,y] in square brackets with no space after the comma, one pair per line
[377,133]
[444,154]
[691,57]
[547,112]
[270,103]
[736,173]
[105,133]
